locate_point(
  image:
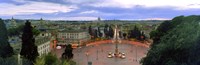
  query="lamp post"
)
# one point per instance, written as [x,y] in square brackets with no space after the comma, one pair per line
[136,53]
[131,48]
[101,49]
[87,54]
[97,52]
[78,51]
[19,59]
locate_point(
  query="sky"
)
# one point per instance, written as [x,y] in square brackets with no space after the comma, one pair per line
[92,9]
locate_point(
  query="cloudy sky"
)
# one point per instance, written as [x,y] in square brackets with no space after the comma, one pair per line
[91,9]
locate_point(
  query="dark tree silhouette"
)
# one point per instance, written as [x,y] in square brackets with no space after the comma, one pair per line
[95,33]
[90,30]
[142,37]
[160,31]
[120,34]
[106,30]
[135,33]
[68,52]
[124,35]
[99,32]
[111,32]
[178,45]
[29,49]
[5,49]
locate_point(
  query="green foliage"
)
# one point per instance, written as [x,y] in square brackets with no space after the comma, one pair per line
[136,34]
[90,30]
[95,33]
[162,30]
[29,49]
[36,32]
[40,61]
[51,59]
[156,35]
[15,31]
[111,32]
[106,31]
[179,46]
[165,26]
[5,49]
[99,32]
[68,52]
[13,60]
[64,62]
[8,61]
[124,35]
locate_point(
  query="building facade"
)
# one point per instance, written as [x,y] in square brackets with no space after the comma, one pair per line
[12,23]
[43,42]
[70,36]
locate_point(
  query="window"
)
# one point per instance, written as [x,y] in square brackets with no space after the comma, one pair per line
[40,48]
[42,34]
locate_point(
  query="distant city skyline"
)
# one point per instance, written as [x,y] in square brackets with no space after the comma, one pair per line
[92,9]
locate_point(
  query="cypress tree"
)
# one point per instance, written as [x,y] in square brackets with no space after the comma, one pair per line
[95,33]
[106,31]
[99,32]
[29,49]
[5,49]
[111,32]
[90,30]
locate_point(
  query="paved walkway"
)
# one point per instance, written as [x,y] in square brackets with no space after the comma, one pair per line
[96,52]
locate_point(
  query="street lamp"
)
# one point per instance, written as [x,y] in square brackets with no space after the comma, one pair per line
[136,53]
[97,52]
[131,48]
[19,59]
[87,54]
[101,49]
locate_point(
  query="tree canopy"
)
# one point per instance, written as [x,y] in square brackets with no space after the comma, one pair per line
[15,31]
[137,34]
[178,46]
[5,49]
[29,49]
[68,52]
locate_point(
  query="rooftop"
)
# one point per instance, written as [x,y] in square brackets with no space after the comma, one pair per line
[41,40]
[72,31]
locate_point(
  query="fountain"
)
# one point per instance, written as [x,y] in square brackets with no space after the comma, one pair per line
[116,40]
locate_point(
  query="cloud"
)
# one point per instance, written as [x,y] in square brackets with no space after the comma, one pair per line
[81,2]
[178,4]
[89,12]
[83,18]
[90,9]
[156,19]
[146,19]
[19,1]
[8,9]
